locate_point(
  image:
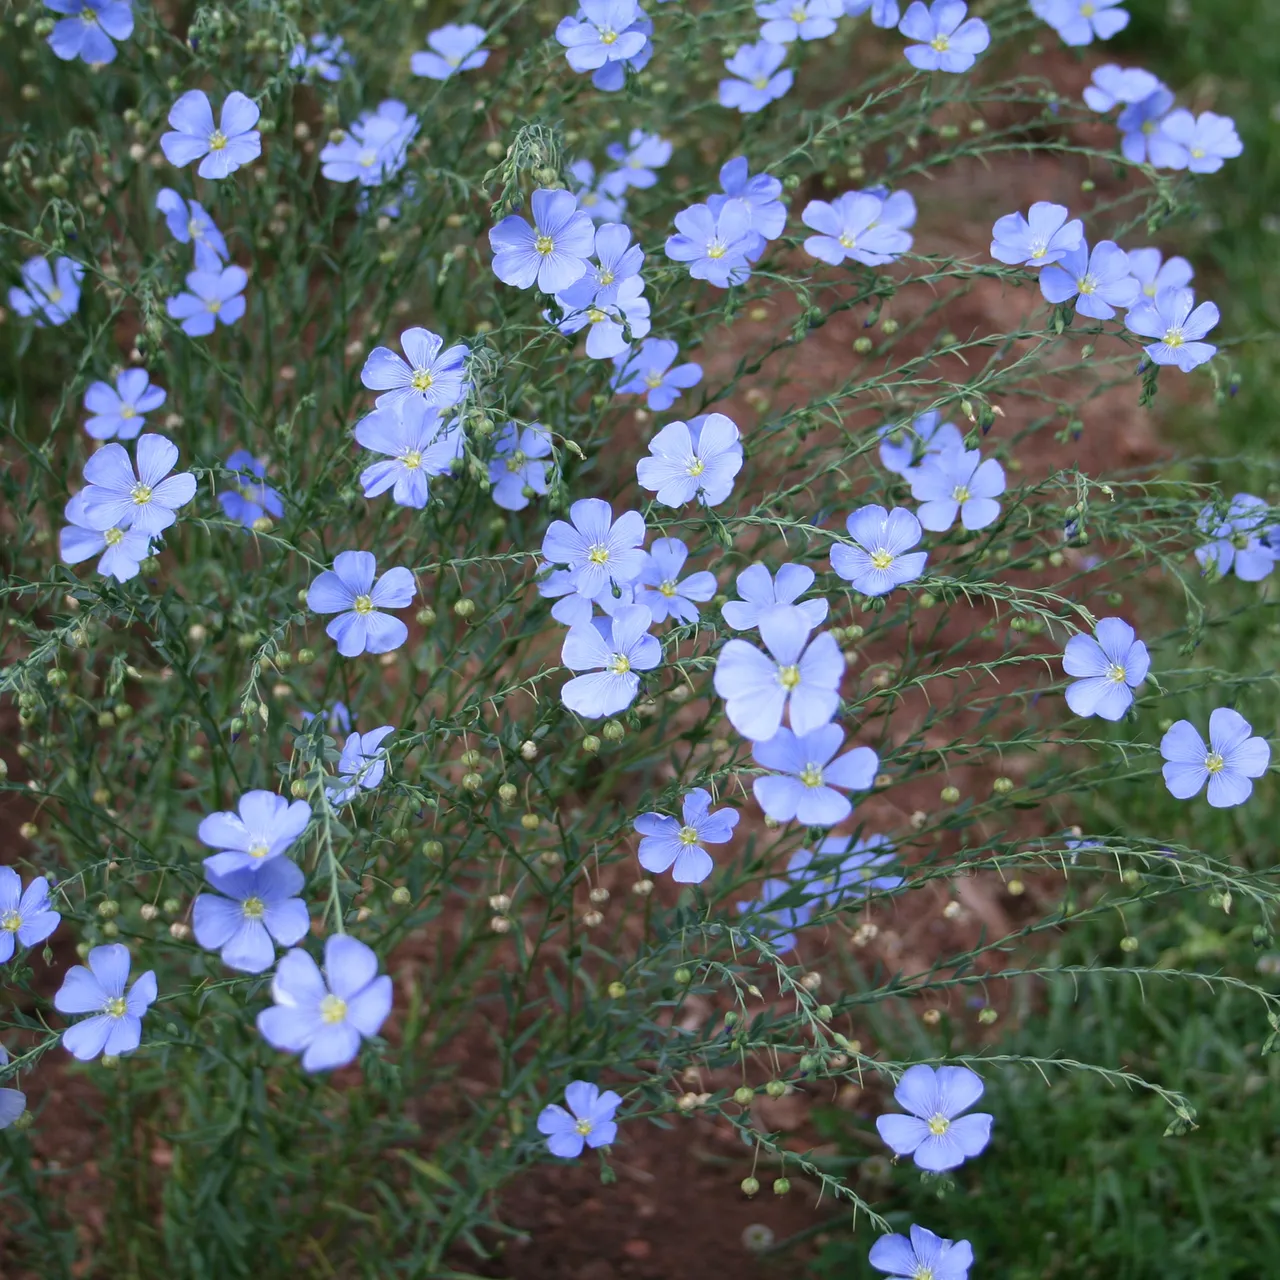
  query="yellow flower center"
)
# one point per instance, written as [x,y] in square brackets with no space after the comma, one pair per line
[366,159]
[516,461]
[798,15]
[1087,285]
[193,229]
[254,908]
[127,411]
[1173,338]
[1197,153]
[595,315]
[214,305]
[217,140]
[688,835]
[1149,289]
[938,1125]
[848,241]
[1038,250]
[10,922]
[1087,10]
[332,1010]
[922,1272]
[88,17]
[258,849]
[55,295]
[695,467]
[620,664]
[606,276]
[113,536]
[363,604]
[599,554]
[760,83]
[789,677]
[141,494]
[421,380]
[941,43]
[881,559]
[606,37]
[589,198]
[1150,126]
[653,380]
[811,775]
[583,1127]
[544,245]
[116,1007]
[1214,762]
[1116,673]
[961,493]
[412,459]
[715,249]
[667,588]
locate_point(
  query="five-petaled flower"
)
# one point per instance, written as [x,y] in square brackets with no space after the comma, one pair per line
[122,549]
[212,296]
[881,557]
[13,1102]
[757,80]
[452,48]
[362,765]
[1099,281]
[189,223]
[89,34]
[116,1025]
[676,846]
[119,411]
[1043,237]
[868,226]
[232,142]
[808,773]
[263,829]
[789,20]
[924,1256]
[51,295]
[610,682]
[252,909]
[553,252]
[146,502]
[957,483]
[1232,758]
[598,549]
[1237,539]
[417,447]
[25,914]
[1077,22]
[903,447]
[935,1132]
[659,586]
[647,371]
[1198,143]
[1111,664]
[434,375]
[698,459]
[588,1121]
[947,41]
[250,500]
[517,464]
[1177,325]
[760,592]
[349,590]
[715,244]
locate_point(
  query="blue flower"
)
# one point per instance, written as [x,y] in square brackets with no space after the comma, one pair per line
[349,590]
[923,1255]
[1099,281]
[118,412]
[861,225]
[1148,268]
[612,684]
[13,1102]
[337,718]
[761,196]
[648,371]
[643,153]
[668,845]
[1077,22]
[122,549]
[374,149]
[255,906]
[935,1133]
[454,48]
[759,687]
[691,460]
[758,81]
[89,34]
[788,20]
[604,31]
[1139,123]
[362,764]
[881,557]
[613,75]
[1176,328]
[264,828]
[1198,143]
[435,375]
[572,610]
[884,13]
[516,465]
[1043,238]
[116,1027]
[838,874]
[715,245]
[51,295]
[926,437]
[597,549]
[417,445]
[947,41]
[957,483]
[211,296]
[595,201]
[325,58]
[809,773]
[1228,763]
[147,502]
[761,593]
[588,1122]
[773,924]
[225,146]
[25,915]
[325,1016]
[187,222]
[1110,666]
[250,500]
[1113,85]
[614,311]
[659,587]
[1237,539]
[554,251]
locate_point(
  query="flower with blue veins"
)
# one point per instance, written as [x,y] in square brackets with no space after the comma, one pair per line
[50,295]
[903,448]
[606,280]
[324,57]
[452,48]
[430,373]
[122,548]
[1110,665]
[1139,123]
[881,557]
[603,31]
[922,1255]
[374,149]
[1099,281]
[1043,237]
[13,1102]
[362,765]
[854,226]
[676,846]
[609,683]
[250,911]
[25,914]
[517,465]
[660,588]
[761,194]
[99,988]
[1113,86]
[92,30]
[616,311]
[844,870]
[119,412]
[1079,22]
[1178,327]
[553,252]
[761,592]
[212,296]
[596,549]
[935,1132]
[1149,268]
[221,148]
[588,1122]
[809,776]
[756,80]
[1197,143]
[636,161]
[946,40]
[1231,760]
[349,589]
[794,674]
[788,20]
[250,500]
[772,923]
[418,447]
[325,1016]
[698,459]
[957,483]
[263,828]
[598,203]
[1237,539]
[147,501]
[647,371]
[189,223]
[714,244]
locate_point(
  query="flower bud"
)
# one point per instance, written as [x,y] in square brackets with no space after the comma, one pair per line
[500,924]
[426,616]
[931,1017]
[464,608]
[683,976]
[950,794]
[642,888]
[178,930]
[433,849]
[401,896]
[472,781]
[1002,786]
[530,821]
[591,744]
[508,792]
[599,895]
[298,789]
[776,1088]
[749,1186]
[613,731]
[617,990]
[499,902]
[591,919]
[529,750]
[743,1095]
[781,1186]
[148,911]
[987,1016]
[108,908]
